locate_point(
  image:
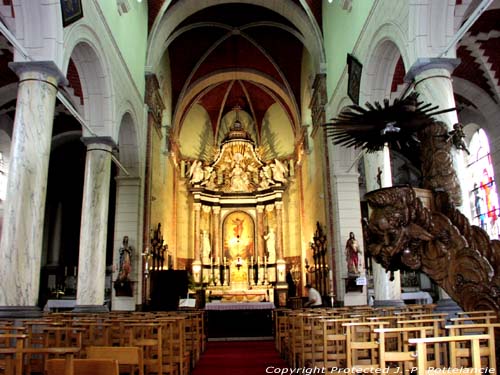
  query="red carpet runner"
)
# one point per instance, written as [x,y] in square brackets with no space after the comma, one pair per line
[239,358]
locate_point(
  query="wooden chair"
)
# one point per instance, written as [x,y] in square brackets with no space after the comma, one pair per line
[460,348]
[82,367]
[147,336]
[362,346]
[401,357]
[131,356]
[334,343]
[11,360]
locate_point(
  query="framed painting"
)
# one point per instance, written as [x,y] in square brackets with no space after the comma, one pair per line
[71,11]
[354,69]
[239,232]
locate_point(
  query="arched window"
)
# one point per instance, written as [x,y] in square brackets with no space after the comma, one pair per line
[483,190]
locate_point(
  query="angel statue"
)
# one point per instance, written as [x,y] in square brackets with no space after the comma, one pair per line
[196,172]
[279,171]
[456,136]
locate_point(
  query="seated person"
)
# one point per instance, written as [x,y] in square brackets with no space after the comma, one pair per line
[313,296]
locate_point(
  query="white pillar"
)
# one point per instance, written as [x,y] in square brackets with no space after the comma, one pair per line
[94,225]
[345,187]
[378,174]
[432,80]
[24,210]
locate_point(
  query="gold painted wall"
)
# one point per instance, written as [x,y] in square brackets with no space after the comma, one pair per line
[159,192]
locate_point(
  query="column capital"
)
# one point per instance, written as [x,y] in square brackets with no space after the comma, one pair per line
[197,206]
[260,209]
[48,68]
[216,210]
[103,141]
[424,64]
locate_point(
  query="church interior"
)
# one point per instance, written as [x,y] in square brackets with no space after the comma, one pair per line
[316,173]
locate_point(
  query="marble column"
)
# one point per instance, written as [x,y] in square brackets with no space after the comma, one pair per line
[378,174]
[24,208]
[197,265]
[94,225]
[432,80]
[216,231]
[197,218]
[260,232]
[279,230]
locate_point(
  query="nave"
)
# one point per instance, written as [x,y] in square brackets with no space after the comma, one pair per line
[363,339]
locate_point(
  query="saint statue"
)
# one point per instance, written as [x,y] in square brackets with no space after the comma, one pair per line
[196,172]
[270,238]
[206,247]
[123,284]
[352,252]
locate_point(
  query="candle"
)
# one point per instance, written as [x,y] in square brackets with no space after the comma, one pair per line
[218,260]
[225,260]
[258,259]
[251,259]
[65,271]
[74,271]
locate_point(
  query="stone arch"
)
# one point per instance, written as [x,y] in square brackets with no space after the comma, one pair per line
[128,145]
[489,110]
[95,78]
[167,22]
[380,64]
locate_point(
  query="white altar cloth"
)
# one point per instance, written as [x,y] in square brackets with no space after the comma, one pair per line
[59,304]
[239,306]
[423,297]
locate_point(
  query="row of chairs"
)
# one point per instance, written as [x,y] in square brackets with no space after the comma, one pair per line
[155,342]
[368,339]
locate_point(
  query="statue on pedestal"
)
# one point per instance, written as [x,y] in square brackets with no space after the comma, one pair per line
[270,238]
[206,247]
[123,284]
[352,252]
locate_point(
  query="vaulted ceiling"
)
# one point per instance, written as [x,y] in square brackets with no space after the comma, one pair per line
[236,55]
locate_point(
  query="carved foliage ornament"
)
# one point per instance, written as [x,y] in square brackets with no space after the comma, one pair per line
[458,256]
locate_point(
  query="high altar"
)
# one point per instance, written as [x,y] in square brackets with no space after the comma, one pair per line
[237,205]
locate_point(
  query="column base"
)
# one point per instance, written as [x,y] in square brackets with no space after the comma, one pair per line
[388,303]
[90,309]
[20,312]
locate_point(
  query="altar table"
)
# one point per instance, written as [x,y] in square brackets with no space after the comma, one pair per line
[57,304]
[243,319]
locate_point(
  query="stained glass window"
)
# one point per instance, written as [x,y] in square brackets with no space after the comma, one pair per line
[483,190]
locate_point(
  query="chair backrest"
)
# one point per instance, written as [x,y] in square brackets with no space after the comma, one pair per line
[125,355]
[83,367]
[460,348]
